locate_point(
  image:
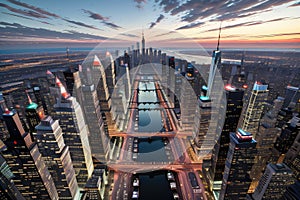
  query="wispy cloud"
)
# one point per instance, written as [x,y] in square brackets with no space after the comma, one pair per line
[140,3]
[104,20]
[81,24]
[95,16]
[164,34]
[276,35]
[213,10]
[152,24]
[15,30]
[39,10]
[28,13]
[167,5]
[295,4]
[253,23]
[129,35]
[23,17]
[192,25]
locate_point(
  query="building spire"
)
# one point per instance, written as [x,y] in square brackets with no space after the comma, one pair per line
[62,88]
[29,99]
[219,36]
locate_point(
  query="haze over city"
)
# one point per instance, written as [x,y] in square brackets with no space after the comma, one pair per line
[245,23]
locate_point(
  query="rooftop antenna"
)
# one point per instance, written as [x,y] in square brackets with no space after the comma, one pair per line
[219,36]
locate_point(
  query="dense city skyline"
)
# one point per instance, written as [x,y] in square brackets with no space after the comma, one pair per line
[245,24]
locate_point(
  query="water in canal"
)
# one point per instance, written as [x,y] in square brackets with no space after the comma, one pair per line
[149,120]
[155,185]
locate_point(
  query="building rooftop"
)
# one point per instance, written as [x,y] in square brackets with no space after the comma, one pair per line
[260,87]
[243,135]
[280,168]
[204,98]
[32,105]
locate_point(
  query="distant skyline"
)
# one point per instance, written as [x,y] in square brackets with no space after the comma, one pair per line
[167,23]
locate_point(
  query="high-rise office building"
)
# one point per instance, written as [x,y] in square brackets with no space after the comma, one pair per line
[239,161]
[34,113]
[292,96]
[233,111]
[265,138]
[292,157]
[287,137]
[292,192]
[273,183]
[98,137]
[143,43]
[75,130]
[8,190]
[254,108]
[3,129]
[49,137]
[31,175]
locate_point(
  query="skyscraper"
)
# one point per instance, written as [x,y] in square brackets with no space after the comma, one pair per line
[8,190]
[265,138]
[239,161]
[75,130]
[292,96]
[31,175]
[273,183]
[233,111]
[49,137]
[254,108]
[34,113]
[143,43]
[98,138]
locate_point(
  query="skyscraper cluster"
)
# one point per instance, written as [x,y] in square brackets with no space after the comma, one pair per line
[55,130]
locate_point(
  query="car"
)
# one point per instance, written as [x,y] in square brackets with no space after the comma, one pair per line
[135,195]
[134,156]
[170,176]
[173,185]
[193,180]
[136,182]
[175,196]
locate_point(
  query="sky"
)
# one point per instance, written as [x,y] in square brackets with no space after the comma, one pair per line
[168,23]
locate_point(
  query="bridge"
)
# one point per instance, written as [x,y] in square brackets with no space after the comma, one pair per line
[139,167]
[143,134]
[148,109]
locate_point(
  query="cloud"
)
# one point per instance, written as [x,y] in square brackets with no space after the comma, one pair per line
[104,20]
[217,10]
[129,35]
[23,17]
[243,24]
[163,34]
[192,25]
[140,3]
[111,25]
[15,30]
[295,4]
[39,10]
[152,24]
[276,35]
[29,13]
[81,24]
[167,5]
[95,16]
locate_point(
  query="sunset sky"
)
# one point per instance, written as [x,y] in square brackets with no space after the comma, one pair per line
[169,23]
